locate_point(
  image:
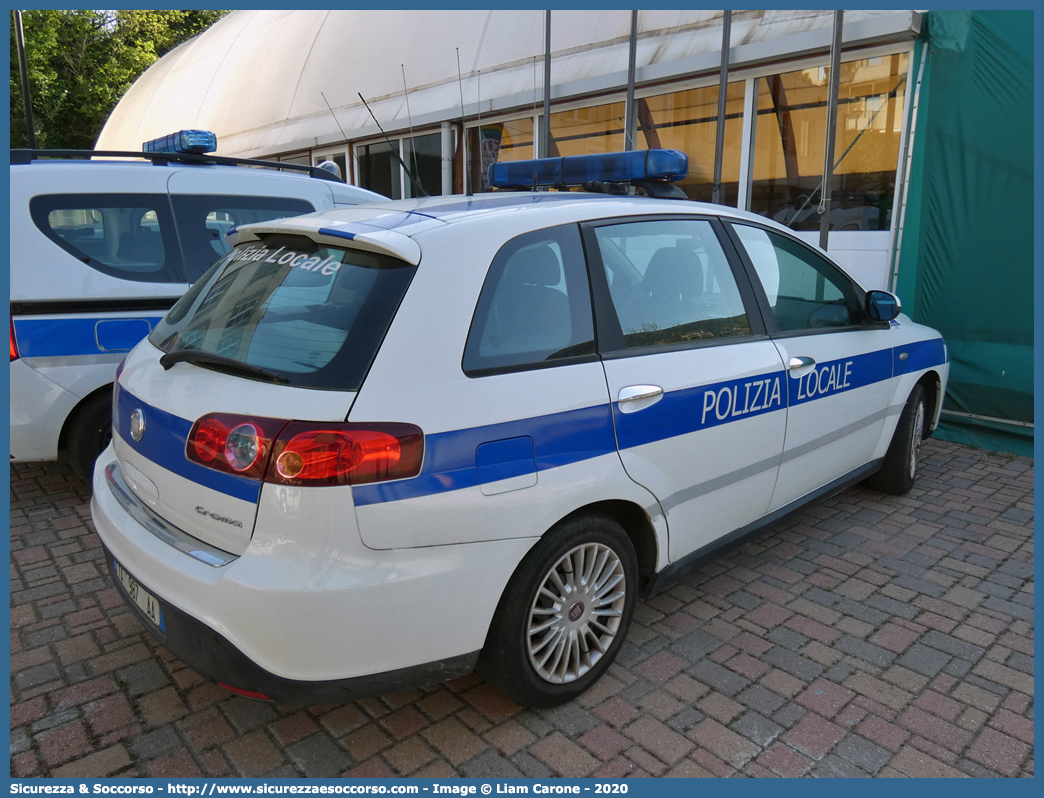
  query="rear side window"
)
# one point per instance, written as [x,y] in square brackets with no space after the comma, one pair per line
[311,313]
[203,220]
[130,236]
[535,306]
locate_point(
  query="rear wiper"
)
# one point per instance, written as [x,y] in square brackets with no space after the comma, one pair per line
[209,358]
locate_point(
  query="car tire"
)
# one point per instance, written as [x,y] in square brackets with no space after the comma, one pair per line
[553,634]
[90,431]
[899,469]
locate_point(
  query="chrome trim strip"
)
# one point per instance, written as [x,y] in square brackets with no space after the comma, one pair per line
[168,533]
[78,361]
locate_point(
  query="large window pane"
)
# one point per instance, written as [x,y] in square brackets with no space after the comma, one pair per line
[423,156]
[789,144]
[688,121]
[379,169]
[585,131]
[497,142]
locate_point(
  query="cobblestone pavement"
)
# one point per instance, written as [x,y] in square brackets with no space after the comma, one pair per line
[871,635]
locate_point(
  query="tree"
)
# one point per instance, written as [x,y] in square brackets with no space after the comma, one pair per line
[80,63]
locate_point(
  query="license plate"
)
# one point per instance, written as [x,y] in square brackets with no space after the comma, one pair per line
[140,596]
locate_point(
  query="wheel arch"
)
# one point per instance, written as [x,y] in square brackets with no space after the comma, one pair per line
[932,384]
[74,415]
[638,526]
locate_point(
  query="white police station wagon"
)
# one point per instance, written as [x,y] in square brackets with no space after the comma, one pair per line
[101,249]
[378,447]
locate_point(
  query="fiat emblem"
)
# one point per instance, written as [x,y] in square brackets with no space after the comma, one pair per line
[137,424]
[576,611]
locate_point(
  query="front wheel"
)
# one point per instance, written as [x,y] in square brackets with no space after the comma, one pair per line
[899,470]
[565,613]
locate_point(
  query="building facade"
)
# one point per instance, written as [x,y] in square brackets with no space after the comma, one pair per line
[455,91]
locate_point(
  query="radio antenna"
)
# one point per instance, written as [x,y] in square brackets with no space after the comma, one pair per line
[334,116]
[417,187]
[409,118]
[464,131]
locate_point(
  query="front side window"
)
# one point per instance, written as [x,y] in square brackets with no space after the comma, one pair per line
[130,236]
[203,220]
[804,291]
[535,306]
[312,314]
[670,283]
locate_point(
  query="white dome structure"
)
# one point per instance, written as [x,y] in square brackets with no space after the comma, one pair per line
[259,78]
[456,91]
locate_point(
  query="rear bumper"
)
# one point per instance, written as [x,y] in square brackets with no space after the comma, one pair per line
[307,613]
[213,656]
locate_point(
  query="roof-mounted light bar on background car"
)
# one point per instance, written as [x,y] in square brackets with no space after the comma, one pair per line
[184,141]
[645,168]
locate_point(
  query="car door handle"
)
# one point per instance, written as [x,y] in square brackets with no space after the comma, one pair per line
[637,397]
[801,362]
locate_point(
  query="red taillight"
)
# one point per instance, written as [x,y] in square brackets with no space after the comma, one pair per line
[306,453]
[14,343]
[345,454]
[234,444]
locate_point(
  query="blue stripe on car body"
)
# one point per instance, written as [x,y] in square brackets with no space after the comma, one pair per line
[843,374]
[72,337]
[920,355]
[559,439]
[164,444]
[450,462]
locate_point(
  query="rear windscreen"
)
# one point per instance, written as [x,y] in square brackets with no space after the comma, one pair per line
[311,313]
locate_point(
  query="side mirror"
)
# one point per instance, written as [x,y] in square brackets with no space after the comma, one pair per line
[882,305]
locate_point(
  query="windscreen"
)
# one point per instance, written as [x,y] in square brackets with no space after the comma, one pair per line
[312,314]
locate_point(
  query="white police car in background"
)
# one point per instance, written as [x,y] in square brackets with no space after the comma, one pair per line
[375,447]
[100,249]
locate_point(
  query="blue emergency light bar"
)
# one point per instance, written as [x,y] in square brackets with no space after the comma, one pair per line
[191,141]
[574,170]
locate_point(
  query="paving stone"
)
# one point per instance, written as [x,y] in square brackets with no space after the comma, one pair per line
[863,753]
[758,728]
[564,757]
[718,677]
[490,765]
[318,756]
[143,677]
[245,714]
[869,635]
[834,767]
[794,664]
[998,752]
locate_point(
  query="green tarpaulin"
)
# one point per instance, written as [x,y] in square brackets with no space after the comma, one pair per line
[966,258]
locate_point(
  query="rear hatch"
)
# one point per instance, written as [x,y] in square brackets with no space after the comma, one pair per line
[278,334]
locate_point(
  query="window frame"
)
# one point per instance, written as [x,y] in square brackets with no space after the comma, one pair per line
[173,268]
[608,330]
[485,299]
[762,298]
